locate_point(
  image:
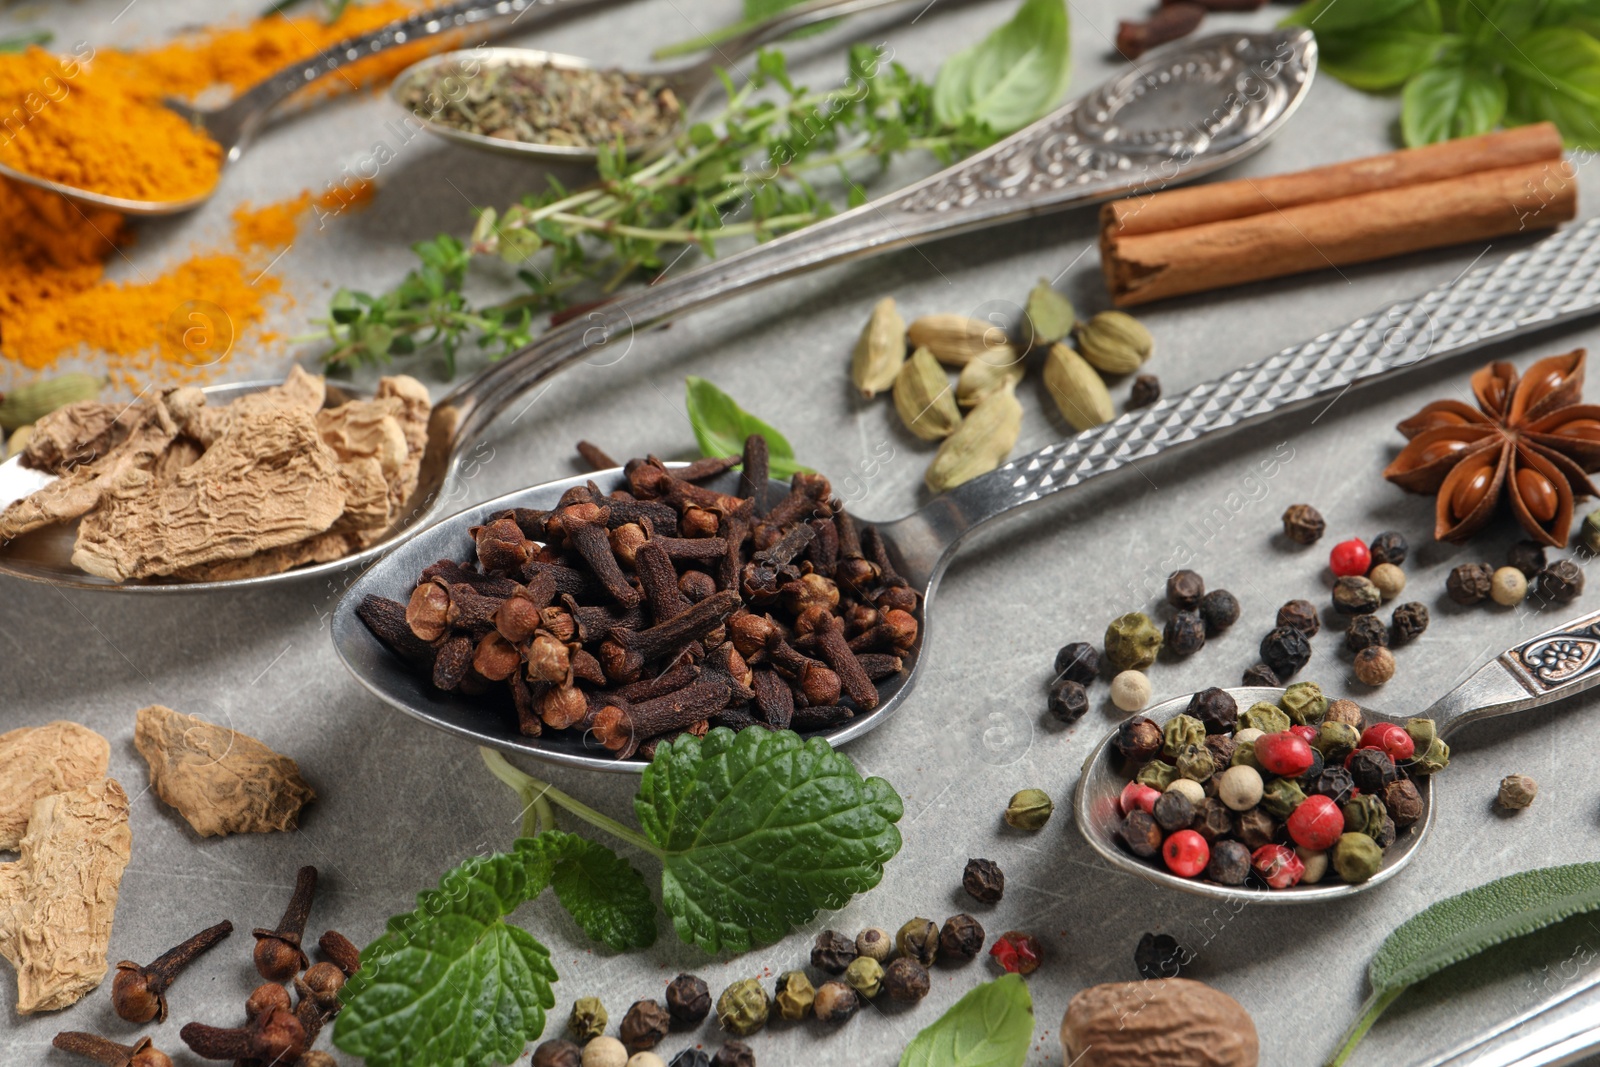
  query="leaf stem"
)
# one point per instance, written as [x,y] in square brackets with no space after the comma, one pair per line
[1374,1007]
[536,793]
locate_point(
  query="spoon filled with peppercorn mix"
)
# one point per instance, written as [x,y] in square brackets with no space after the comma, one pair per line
[1282,796]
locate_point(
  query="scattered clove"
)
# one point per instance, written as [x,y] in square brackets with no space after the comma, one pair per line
[139,994]
[340,951]
[274,1036]
[1173,20]
[139,1054]
[278,953]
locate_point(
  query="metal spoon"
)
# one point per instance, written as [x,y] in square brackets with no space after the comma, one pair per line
[1553,666]
[1189,109]
[235,125]
[688,83]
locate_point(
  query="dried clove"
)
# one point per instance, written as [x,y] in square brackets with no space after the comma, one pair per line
[139,1054]
[340,951]
[1172,21]
[278,953]
[139,994]
[274,1036]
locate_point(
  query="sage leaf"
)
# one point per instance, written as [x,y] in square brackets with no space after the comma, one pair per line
[1448,102]
[758,831]
[451,984]
[1554,74]
[721,425]
[604,893]
[992,1026]
[1463,926]
[1011,77]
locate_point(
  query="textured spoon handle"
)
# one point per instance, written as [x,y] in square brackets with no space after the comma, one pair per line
[1542,670]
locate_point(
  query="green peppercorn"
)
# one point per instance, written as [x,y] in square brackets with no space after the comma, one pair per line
[1195,763]
[1421,731]
[1335,740]
[1181,730]
[1029,809]
[1304,702]
[743,1007]
[1356,857]
[1281,796]
[1432,760]
[1244,754]
[588,1019]
[865,976]
[1268,718]
[794,994]
[1132,642]
[1364,814]
[919,938]
[1158,774]
[960,938]
[1588,533]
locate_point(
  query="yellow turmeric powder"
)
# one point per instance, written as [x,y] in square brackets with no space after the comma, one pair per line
[273,226]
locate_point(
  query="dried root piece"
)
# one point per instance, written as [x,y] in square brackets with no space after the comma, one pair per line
[36,761]
[221,781]
[57,901]
[78,433]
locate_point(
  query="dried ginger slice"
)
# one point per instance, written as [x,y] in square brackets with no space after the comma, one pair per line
[415,407]
[58,899]
[221,781]
[371,446]
[36,761]
[206,423]
[78,433]
[82,488]
[322,548]
[268,481]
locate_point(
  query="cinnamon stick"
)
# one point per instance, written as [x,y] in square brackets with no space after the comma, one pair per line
[1338,231]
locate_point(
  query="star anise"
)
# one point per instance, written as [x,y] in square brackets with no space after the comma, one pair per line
[1530,440]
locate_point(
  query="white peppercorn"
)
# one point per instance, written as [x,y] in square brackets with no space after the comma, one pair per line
[1316,864]
[1240,787]
[1189,788]
[1390,580]
[605,1052]
[874,943]
[646,1059]
[1508,587]
[1130,690]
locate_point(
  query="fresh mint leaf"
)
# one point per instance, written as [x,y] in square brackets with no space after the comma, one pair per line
[721,425]
[450,984]
[1010,78]
[1554,74]
[1466,924]
[758,831]
[992,1026]
[1328,16]
[599,889]
[1448,102]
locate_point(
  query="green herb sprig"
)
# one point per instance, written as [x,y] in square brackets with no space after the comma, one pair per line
[1465,67]
[992,1026]
[754,13]
[23,41]
[1463,926]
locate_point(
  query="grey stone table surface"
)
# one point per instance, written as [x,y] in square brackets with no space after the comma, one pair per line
[399,803]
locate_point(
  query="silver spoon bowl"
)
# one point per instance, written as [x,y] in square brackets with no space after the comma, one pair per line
[1553,666]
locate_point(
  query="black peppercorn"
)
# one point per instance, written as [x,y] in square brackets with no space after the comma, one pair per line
[1069,701]
[1220,610]
[1256,828]
[739,1054]
[1355,595]
[984,881]
[960,938]
[1364,632]
[1078,662]
[835,1003]
[1469,583]
[1213,820]
[1260,674]
[1184,634]
[1385,837]
[1300,615]
[1221,747]
[1229,863]
[644,1026]
[1303,524]
[1139,739]
[1334,783]
[1403,801]
[1173,811]
[1561,582]
[1159,956]
[1389,547]
[1285,650]
[905,979]
[557,1053]
[688,1000]
[690,1057]
[1527,556]
[1215,708]
[1371,769]
[1146,391]
[832,952]
[1313,770]
[1140,833]
[1184,590]
[1408,622]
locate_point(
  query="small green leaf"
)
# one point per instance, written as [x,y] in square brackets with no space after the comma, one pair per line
[1324,16]
[599,889]
[992,1026]
[759,831]
[450,984]
[1448,102]
[721,425]
[1554,75]
[1464,925]
[1011,77]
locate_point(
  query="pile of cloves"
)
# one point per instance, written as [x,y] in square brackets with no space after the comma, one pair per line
[664,608]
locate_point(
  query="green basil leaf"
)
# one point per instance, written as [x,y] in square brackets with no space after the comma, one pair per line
[1464,925]
[992,1026]
[450,984]
[1449,102]
[759,831]
[1325,16]
[1554,75]
[721,425]
[599,889]
[1375,62]
[1011,77]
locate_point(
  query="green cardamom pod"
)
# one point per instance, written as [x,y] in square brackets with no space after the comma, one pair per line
[955,339]
[980,444]
[880,350]
[34,401]
[1115,341]
[19,440]
[998,368]
[1049,314]
[923,398]
[1079,392]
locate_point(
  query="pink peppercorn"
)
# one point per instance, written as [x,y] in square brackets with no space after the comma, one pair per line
[1316,823]
[1285,753]
[1392,738]
[1017,952]
[1308,733]
[1350,558]
[1277,865]
[1137,795]
[1186,853]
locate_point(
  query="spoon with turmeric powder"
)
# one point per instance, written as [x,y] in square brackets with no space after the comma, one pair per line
[84,129]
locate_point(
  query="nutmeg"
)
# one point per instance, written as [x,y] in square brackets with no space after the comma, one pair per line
[1176,1023]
